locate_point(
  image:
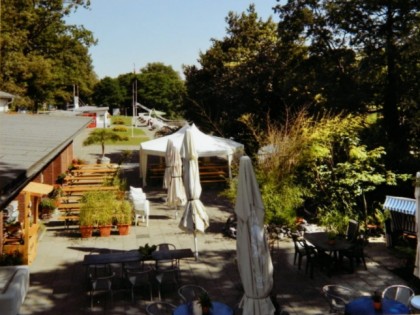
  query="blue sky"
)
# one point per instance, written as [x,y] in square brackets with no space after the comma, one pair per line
[133,33]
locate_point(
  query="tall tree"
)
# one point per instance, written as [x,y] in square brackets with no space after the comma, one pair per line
[161,87]
[378,34]
[108,93]
[238,75]
[41,56]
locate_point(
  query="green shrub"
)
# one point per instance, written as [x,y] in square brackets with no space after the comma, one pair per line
[119,129]
[13,259]
[118,121]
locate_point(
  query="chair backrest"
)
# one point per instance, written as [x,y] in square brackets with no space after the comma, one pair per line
[160,308]
[298,242]
[398,292]
[352,230]
[165,246]
[338,296]
[136,189]
[139,276]
[190,292]
[102,283]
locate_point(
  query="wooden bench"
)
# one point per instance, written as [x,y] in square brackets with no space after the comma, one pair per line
[80,189]
[87,166]
[94,171]
[69,206]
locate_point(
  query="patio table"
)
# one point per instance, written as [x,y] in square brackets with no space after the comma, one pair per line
[364,305]
[322,243]
[217,308]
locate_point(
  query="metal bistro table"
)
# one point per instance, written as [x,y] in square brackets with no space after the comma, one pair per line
[364,305]
[135,256]
[218,308]
[322,243]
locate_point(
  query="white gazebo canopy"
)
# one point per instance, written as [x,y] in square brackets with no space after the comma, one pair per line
[206,146]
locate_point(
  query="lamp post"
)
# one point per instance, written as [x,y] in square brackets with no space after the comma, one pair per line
[134,103]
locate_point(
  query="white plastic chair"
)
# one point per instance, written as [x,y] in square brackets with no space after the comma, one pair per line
[141,209]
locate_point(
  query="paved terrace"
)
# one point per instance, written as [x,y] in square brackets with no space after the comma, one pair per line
[58,283]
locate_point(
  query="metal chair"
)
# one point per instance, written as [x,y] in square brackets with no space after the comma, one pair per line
[171,263]
[338,296]
[101,285]
[300,251]
[316,258]
[398,292]
[160,308]
[355,254]
[168,276]
[139,278]
[190,292]
[352,230]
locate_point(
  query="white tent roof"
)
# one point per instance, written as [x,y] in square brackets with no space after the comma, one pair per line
[206,145]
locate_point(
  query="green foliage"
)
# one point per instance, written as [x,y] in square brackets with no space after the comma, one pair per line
[118,121]
[123,212]
[119,129]
[101,136]
[321,165]
[41,56]
[11,259]
[97,207]
[161,87]
[107,92]
[147,249]
[235,77]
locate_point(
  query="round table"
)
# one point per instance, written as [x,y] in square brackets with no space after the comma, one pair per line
[217,309]
[364,305]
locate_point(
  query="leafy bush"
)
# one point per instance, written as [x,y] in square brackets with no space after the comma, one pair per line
[119,129]
[118,121]
[321,165]
[11,259]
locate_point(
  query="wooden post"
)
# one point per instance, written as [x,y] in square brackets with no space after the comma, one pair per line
[27,213]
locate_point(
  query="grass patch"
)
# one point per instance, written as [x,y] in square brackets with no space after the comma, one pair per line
[135,135]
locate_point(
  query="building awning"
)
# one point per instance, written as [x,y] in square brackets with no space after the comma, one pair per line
[400,204]
[37,189]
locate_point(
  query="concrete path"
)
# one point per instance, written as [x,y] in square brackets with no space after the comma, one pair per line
[58,278]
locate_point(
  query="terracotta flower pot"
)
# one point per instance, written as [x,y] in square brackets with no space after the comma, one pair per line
[105,230]
[86,231]
[124,229]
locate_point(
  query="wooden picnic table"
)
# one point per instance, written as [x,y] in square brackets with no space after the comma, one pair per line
[87,166]
[69,206]
[94,171]
[84,188]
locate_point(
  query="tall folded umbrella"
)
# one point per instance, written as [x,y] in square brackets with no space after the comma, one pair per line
[176,191]
[253,254]
[417,196]
[168,164]
[195,218]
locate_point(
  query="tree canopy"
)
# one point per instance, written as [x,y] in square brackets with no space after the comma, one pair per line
[42,57]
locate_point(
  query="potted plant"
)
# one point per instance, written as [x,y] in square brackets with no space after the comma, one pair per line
[46,206]
[377,300]
[332,237]
[205,302]
[87,219]
[98,206]
[101,136]
[147,250]
[124,217]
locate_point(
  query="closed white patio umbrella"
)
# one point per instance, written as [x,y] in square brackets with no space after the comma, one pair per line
[417,196]
[194,218]
[253,253]
[173,178]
